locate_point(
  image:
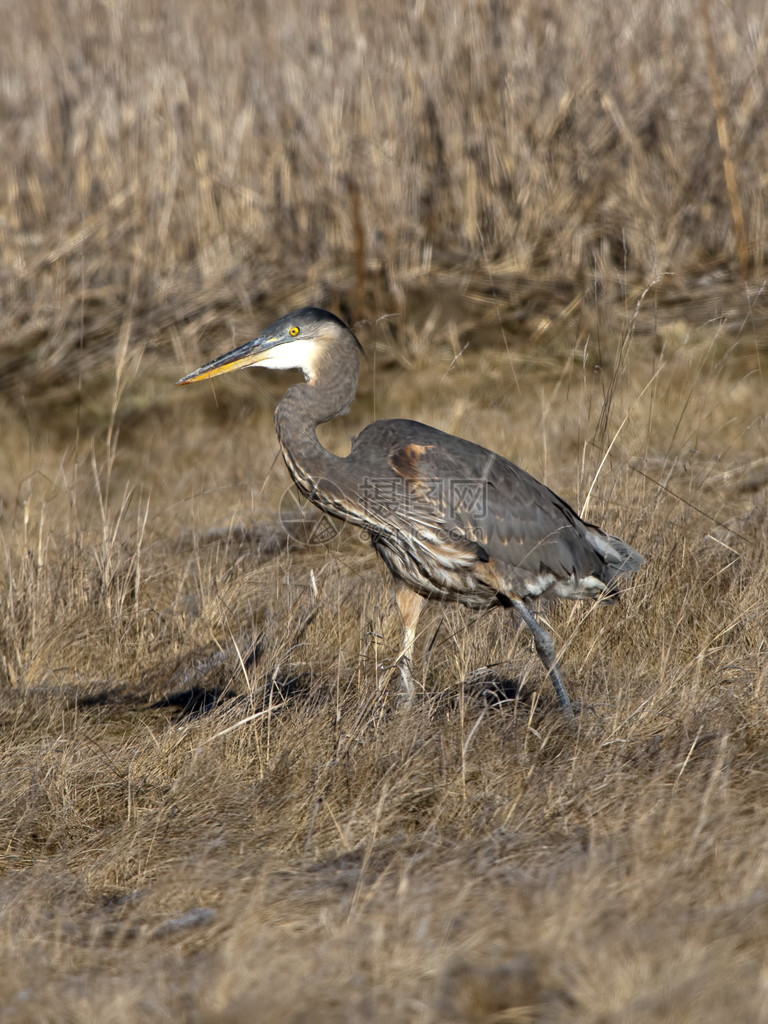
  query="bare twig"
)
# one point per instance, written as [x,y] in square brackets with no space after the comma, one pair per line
[721,117]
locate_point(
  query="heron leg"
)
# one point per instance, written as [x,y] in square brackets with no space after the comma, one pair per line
[545,649]
[409,603]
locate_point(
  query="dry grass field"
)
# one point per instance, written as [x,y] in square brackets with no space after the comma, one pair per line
[211,807]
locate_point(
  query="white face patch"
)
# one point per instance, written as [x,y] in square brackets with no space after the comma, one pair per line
[293,355]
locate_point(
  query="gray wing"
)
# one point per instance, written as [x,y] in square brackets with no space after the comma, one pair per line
[481,500]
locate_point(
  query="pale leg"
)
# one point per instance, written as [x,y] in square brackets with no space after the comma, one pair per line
[409,603]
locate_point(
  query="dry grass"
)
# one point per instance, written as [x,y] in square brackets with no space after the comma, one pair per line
[210,809]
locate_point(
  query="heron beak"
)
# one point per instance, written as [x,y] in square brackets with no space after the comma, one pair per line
[249,354]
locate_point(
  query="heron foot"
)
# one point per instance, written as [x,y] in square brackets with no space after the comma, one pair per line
[402,670]
[407,688]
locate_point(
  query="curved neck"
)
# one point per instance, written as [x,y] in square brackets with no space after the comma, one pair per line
[327,394]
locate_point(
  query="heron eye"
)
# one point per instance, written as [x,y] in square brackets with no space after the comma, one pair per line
[294,331]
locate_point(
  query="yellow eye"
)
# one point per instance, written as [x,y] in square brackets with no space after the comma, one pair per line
[294,331]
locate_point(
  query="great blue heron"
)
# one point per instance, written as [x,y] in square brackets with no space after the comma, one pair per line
[452,520]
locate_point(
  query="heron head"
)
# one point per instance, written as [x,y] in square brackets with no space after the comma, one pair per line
[298,341]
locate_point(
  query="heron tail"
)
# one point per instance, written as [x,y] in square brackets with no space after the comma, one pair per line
[629,560]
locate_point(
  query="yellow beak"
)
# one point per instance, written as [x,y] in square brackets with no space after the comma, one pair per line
[249,354]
